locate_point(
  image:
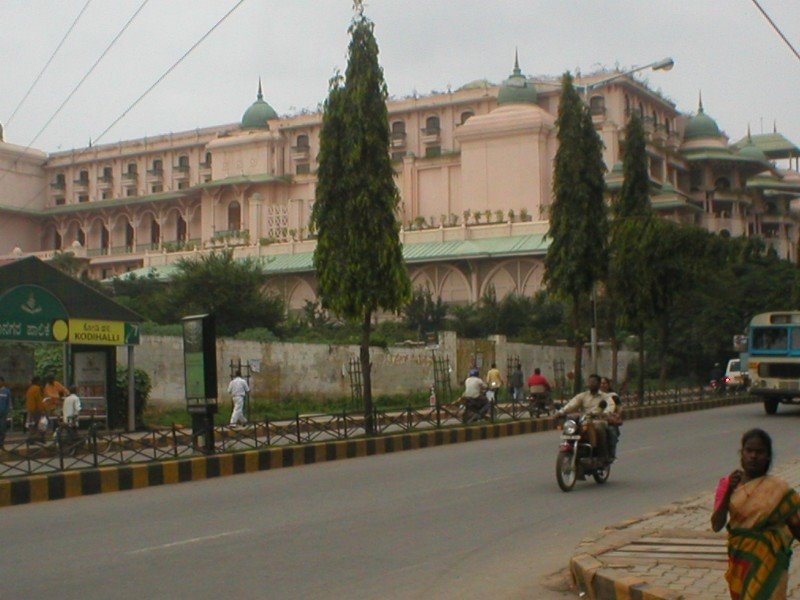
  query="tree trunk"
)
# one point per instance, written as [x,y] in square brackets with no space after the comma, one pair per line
[577,382]
[366,374]
[640,385]
[663,344]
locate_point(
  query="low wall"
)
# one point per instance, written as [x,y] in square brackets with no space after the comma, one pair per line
[320,370]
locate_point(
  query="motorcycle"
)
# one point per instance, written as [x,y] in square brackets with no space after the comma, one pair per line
[475,409]
[577,458]
[718,385]
[540,403]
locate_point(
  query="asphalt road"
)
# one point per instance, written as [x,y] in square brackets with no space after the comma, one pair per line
[476,520]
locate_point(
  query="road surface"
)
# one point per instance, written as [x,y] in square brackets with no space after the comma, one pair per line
[475,520]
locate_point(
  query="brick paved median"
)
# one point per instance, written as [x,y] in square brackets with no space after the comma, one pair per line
[670,554]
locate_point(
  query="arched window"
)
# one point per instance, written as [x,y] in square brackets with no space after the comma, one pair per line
[234,216]
[466,115]
[158,166]
[59,242]
[399,127]
[180,229]
[597,105]
[155,232]
[432,125]
[207,162]
[104,237]
[129,235]
[81,237]
[302,141]
[131,168]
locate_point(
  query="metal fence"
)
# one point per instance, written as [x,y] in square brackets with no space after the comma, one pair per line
[68,449]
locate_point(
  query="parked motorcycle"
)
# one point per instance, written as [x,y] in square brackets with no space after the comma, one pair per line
[577,458]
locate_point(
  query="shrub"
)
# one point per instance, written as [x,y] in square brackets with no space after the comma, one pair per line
[141,389]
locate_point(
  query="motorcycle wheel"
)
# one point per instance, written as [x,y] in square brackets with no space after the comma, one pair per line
[601,475]
[565,474]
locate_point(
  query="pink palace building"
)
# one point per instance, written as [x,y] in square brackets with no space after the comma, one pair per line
[474,167]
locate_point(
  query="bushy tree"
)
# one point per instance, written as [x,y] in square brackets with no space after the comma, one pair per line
[358,257]
[423,313]
[230,289]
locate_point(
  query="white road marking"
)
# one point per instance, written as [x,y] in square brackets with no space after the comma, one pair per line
[204,538]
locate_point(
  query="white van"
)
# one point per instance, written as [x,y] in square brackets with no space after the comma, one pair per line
[735,377]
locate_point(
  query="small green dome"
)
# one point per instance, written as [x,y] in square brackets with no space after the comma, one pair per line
[701,126]
[517,89]
[259,113]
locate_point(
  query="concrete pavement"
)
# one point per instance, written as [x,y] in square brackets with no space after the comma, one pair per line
[670,554]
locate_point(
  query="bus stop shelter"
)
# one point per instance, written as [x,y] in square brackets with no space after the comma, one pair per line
[39,303]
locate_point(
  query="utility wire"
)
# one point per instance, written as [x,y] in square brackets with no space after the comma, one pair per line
[75,89]
[168,71]
[89,72]
[777,30]
[49,60]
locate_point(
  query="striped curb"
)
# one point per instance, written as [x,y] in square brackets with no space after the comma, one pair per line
[85,482]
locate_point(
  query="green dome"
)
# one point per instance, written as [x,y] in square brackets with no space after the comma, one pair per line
[517,89]
[701,126]
[259,113]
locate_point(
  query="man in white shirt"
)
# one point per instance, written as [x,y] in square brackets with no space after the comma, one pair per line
[238,389]
[70,410]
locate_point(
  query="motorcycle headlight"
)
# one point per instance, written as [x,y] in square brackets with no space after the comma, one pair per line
[570,427]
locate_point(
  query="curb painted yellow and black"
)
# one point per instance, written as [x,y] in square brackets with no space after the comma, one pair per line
[85,482]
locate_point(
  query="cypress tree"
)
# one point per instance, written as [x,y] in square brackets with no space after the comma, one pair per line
[577,256]
[358,257]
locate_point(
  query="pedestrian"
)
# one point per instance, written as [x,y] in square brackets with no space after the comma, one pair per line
[70,412]
[5,410]
[238,389]
[494,381]
[54,393]
[517,383]
[34,407]
[762,515]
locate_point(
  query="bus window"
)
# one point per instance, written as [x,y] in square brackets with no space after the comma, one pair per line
[770,338]
[795,338]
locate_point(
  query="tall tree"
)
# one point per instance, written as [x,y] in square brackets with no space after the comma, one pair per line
[632,213]
[577,257]
[358,258]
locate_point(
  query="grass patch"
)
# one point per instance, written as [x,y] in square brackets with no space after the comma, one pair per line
[277,410]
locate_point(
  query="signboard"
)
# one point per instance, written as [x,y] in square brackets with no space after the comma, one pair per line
[90,378]
[31,313]
[103,333]
[200,357]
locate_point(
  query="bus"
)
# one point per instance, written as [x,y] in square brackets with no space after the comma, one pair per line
[773,362]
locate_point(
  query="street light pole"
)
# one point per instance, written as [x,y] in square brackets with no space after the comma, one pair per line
[665,64]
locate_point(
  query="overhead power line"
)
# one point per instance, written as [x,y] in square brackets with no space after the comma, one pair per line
[89,72]
[777,29]
[49,60]
[168,71]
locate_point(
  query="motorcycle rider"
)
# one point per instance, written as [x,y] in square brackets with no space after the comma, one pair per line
[597,404]
[474,397]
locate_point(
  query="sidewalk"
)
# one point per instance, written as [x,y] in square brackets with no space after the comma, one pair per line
[671,554]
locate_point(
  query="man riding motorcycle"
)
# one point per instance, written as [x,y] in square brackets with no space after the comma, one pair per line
[474,397]
[597,404]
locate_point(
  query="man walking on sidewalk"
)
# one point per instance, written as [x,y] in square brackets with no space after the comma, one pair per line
[238,388]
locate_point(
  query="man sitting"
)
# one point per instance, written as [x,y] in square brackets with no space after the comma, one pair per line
[474,398]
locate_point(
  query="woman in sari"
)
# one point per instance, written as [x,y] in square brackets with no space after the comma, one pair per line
[762,516]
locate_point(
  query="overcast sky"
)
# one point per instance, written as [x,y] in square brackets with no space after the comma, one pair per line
[723,47]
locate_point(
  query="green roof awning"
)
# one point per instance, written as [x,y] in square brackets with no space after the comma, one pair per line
[520,245]
[774,145]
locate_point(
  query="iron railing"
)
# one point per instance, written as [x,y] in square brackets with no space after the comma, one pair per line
[68,449]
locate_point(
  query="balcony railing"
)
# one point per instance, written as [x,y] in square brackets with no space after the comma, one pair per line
[155,172]
[81,182]
[130,176]
[121,249]
[58,185]
[431,135]
[398,139]
[148,246]
[181,168]
[96,251]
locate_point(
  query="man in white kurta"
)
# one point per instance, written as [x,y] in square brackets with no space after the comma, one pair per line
[238,389]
